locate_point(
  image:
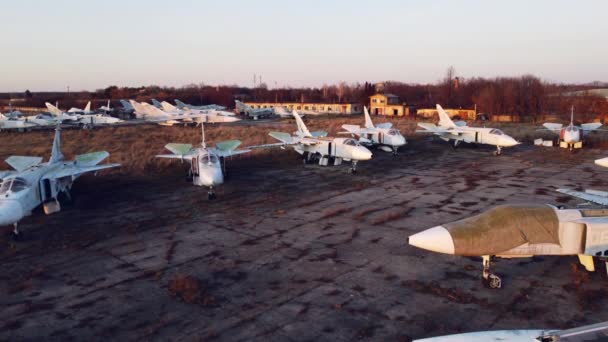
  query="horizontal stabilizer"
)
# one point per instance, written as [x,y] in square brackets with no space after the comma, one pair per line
[589,195]
[90,159]
[179,148]
[319,134]
[21,163]
[591,126]
[283,137]
[460,123]
[228,145]
[385,125]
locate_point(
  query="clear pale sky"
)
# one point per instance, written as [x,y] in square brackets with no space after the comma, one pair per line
[87,44]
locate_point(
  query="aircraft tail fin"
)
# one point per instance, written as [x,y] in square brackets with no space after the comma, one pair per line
[572,116]
[126,105]
[368,119]
[152,110]
[241,106]
[56,154]
[444,119]
[166,106]
[52,109]
[156,104]
[180,104]
[87,109]
[302,129]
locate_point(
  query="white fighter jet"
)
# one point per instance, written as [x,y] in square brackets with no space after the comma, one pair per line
[14,123]
[33,182]
[593,332]
[186,106]
[593,196]
[254,113]
[150,113]
[85,121]
[383,135]
[317,145]
[459,131]
[213,113]
[512,231]
[571,136]
[207,164]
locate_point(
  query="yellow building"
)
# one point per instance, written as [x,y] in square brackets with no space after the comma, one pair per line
[387,104]
[309,107]
[459,114]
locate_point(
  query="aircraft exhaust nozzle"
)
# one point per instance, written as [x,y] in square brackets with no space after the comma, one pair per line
[436,239]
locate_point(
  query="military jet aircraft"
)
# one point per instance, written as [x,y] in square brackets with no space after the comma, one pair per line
[524,230]
[207,164]
[388,139]
[86,120]
[459,131]
[571,136]
[254,113]
[317,145]
[212,113]
[150,113]
[14,123]
[33,182]
[185,106]
[594,332]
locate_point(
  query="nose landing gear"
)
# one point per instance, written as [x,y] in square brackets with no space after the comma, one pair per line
[498,151]
[489,279]
[211,194]
[353,169]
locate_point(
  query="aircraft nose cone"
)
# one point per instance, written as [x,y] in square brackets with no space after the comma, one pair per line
[436,239]
[362,153]
[509,141]
[231,119]
[602,162]
[212,177]
[10,212]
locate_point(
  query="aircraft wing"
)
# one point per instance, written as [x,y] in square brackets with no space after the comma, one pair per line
[432,128]
[186,157]
[385,125]
[90,159]
[74,170]
[21,163]
[598,197]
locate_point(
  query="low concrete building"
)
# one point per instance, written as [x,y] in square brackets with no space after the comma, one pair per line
[459,114]
[387,104]
[304,107]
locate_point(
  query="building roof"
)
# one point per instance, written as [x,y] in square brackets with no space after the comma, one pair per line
[385,94]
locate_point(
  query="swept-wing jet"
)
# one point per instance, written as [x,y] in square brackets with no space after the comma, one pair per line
[255,114]
[211,113]
[207,164]
[459,132]
[317,146]
[594,332]
[34,182]
[383,135]
[512,231]
[85,121]
[571,136]
[14,123]
[150,113]
[185,106]
[86,110]
[60,115]
[593,196]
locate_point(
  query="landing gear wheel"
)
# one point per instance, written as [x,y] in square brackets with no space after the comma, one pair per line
[211,196]
[353,169]
[492,281]
[489,279]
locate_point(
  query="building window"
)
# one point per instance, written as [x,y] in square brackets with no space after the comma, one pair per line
[299,107]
